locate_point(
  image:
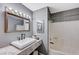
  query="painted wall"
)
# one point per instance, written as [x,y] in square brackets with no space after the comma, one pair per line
[6,38]
[42,14]
[68,15]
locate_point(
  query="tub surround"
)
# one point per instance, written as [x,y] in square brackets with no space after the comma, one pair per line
[64,31]
[11,50]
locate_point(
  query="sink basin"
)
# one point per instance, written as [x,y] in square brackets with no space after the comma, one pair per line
[23,43]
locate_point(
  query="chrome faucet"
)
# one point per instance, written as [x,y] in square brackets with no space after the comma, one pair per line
[22,36]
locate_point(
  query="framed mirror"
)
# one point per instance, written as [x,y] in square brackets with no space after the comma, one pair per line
[15,23]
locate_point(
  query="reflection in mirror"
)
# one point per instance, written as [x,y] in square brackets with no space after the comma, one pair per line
[15,23]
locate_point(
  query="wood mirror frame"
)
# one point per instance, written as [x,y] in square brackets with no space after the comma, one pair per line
[6,20]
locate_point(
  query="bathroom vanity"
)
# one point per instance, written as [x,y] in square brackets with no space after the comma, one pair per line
[15,21]
[11,50]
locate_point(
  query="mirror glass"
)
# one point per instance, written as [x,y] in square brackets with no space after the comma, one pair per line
[17,24]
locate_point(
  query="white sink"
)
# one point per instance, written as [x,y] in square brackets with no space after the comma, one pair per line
[23,43]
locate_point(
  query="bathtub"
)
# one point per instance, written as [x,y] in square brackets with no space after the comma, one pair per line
[54,52]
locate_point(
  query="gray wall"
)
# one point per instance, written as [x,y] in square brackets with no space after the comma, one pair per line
[69,15]
[6,38]
[42,14]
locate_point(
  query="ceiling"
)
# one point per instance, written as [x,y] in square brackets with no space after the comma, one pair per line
[54,7]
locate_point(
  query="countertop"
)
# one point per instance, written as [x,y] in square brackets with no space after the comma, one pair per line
[11,50]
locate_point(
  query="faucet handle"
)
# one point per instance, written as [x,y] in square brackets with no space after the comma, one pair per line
[18,38]
[24,36]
